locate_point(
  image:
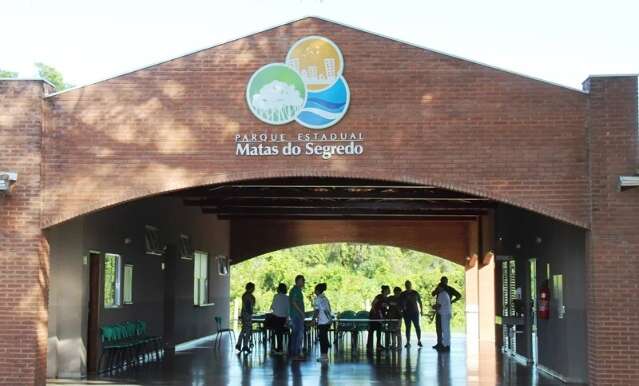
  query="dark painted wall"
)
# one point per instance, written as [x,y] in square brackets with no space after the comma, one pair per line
[106,232]
[525,235]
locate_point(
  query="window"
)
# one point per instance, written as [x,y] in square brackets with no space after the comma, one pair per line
[222,265]
[112,280]
[200,278]
[186,249]
[558,295]
[152,240]
[128,284]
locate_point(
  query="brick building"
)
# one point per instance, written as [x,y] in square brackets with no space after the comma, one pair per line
[513,169]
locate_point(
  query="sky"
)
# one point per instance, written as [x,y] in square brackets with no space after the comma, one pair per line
[561,41]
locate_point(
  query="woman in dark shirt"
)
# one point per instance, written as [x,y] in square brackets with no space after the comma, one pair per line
[395,312]
[378,311]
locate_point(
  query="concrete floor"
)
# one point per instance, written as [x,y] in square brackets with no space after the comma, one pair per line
[201,364]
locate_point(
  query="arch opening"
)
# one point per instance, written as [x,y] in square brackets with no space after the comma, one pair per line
[242,220]
[354,274]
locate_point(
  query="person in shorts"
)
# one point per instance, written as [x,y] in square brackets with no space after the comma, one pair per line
[412,310]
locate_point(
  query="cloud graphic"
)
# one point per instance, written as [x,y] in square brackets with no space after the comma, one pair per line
[277,97]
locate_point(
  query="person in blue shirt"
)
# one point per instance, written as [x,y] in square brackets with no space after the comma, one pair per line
[296,313]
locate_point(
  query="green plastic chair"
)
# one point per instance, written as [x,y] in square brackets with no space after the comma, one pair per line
[346,327]
[155,343]
[362,326]
[127,343]
[114,346]
[220,332]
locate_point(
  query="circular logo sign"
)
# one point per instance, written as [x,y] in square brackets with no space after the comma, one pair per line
[276,94]
[324,108]
[309,88]
[318,60]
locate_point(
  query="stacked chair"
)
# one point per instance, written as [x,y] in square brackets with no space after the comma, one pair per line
[127,344]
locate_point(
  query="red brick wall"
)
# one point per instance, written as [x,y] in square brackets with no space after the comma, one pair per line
[613,265]
[446,239]
[23,251]
[426,117]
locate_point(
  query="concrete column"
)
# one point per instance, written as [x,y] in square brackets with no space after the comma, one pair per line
[486,281]
[471,289]
[472,284]
[486,290]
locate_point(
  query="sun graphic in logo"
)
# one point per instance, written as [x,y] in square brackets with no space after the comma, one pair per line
[317,60]
[309,88]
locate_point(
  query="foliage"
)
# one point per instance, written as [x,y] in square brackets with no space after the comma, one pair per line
[353,273]
[52,75]
[110,269]
[8,74]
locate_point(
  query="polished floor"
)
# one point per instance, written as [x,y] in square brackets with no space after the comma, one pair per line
[202,364]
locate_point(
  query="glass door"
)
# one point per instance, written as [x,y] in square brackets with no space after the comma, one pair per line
[509,300]
[532,271]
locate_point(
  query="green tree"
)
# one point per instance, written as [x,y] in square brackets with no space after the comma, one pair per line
[8,74]
[353,273]
[52,75]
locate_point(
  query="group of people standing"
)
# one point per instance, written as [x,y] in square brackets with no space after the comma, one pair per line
[407,305]
[385,309]
[284,308]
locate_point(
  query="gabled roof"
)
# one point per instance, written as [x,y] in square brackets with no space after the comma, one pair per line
[332,22]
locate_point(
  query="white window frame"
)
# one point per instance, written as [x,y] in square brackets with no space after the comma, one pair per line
[200,278]
[127,292]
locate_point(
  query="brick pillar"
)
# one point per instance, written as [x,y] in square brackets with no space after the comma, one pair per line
[24,271]
[613,262]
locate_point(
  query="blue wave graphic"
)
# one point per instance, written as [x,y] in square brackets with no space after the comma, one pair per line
[313,101]
[313,119]
[324,108]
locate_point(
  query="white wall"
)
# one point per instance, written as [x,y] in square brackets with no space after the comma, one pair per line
[66,356]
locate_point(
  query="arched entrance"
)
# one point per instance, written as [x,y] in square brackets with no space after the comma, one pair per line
[244,219]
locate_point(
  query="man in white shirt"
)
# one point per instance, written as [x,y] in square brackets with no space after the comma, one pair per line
[454,296]
[444,310]
[280,308]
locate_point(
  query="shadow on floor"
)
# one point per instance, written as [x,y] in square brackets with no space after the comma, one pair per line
[202,364]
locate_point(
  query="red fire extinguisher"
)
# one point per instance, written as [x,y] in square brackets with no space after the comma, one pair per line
[544,302]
